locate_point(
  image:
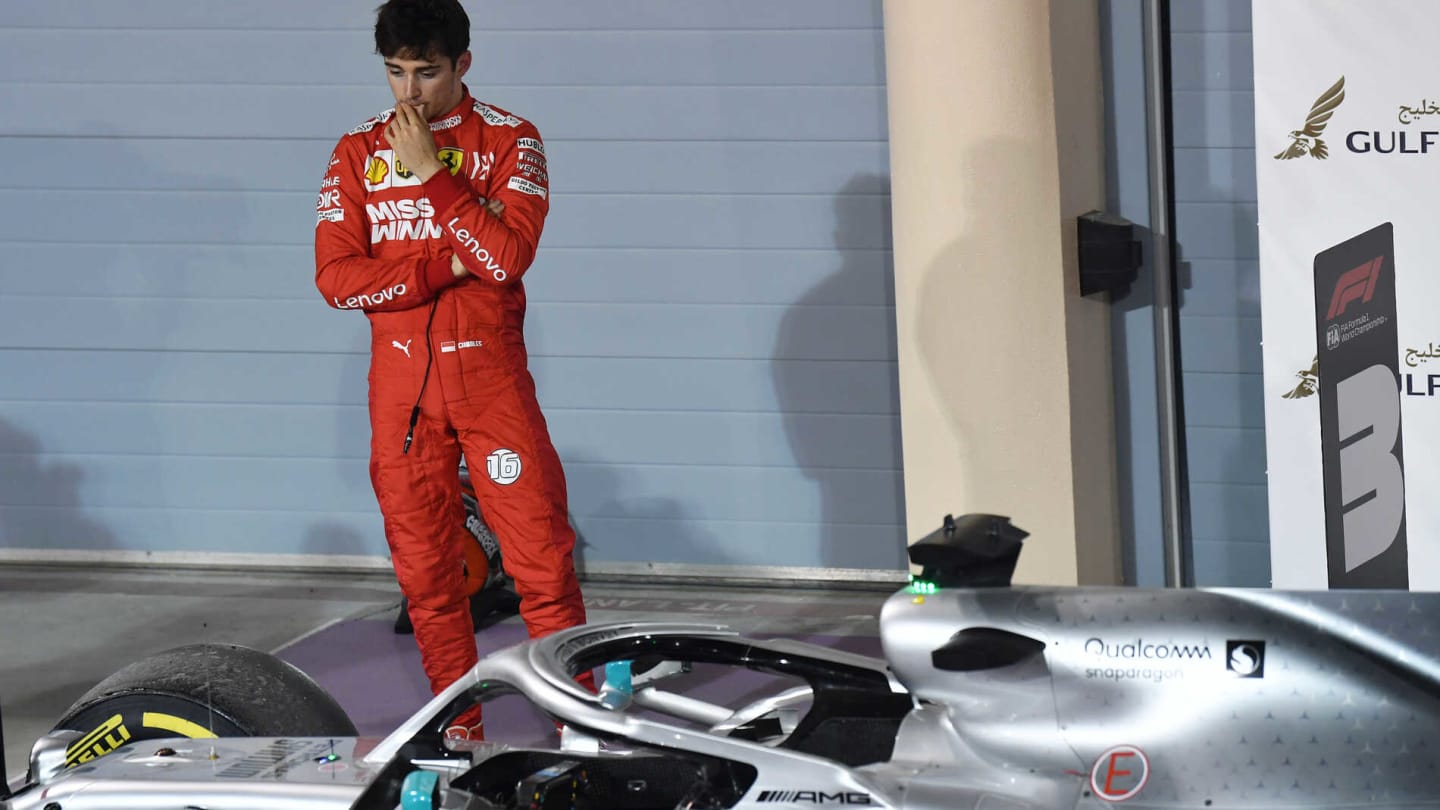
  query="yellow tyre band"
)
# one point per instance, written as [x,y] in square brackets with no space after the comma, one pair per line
[169,722]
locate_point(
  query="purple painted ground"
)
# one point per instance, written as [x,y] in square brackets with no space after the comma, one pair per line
[376,676]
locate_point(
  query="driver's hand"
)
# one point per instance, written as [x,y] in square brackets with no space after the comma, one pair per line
[409,135]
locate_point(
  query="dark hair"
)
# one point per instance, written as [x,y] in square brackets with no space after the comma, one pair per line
[422,29]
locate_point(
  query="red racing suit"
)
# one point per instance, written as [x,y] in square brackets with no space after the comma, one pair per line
[454,349]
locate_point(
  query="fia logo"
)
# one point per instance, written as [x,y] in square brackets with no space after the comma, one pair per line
[1245,658]
[1332,336]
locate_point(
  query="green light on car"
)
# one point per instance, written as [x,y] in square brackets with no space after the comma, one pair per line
[922,586]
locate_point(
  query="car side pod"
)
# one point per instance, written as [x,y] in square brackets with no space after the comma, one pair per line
[973,551]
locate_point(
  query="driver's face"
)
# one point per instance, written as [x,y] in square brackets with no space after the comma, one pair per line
[430,85]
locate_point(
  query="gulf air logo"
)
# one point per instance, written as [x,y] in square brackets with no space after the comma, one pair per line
[1307,140]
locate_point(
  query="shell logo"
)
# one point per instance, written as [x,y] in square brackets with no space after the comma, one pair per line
[375,171]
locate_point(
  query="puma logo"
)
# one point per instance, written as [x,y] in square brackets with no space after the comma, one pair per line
[403,347]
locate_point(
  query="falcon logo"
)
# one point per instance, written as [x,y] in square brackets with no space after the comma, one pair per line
[1307,141]
[1308,381]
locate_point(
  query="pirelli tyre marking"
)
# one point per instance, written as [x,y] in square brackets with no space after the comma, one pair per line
[113,733]
[179,725]
[103,739]
[200,691]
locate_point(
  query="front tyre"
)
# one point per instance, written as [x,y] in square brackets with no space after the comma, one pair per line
[198,691]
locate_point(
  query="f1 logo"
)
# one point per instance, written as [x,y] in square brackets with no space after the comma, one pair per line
[1358,283]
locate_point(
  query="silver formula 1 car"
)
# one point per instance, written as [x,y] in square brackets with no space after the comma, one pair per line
[989,697]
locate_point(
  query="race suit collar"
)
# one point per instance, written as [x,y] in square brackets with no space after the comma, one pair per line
[457,115]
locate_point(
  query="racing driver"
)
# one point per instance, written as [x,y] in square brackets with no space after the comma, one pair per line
[428,217]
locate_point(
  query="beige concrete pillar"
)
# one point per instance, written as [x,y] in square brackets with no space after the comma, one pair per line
[996,145]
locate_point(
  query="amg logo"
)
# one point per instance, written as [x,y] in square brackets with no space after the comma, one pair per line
[813,797]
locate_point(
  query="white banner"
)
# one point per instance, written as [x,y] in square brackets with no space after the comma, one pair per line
[1347,134]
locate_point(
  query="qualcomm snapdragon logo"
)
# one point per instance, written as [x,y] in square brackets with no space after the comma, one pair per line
[1140,649]
[1245,658]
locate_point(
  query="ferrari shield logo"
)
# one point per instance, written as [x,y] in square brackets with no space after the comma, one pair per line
[452,158]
